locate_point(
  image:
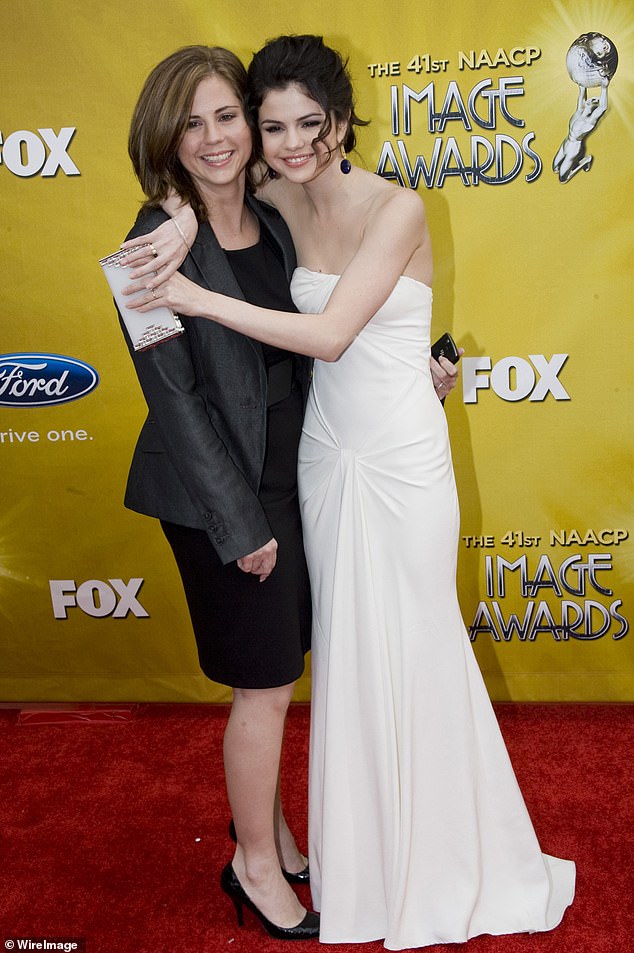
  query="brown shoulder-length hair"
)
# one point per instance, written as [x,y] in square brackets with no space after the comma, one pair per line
[161,115]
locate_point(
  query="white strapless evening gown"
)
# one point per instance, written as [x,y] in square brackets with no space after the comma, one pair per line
[418,832]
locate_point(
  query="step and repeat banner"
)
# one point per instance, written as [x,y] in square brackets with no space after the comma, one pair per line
[513,121]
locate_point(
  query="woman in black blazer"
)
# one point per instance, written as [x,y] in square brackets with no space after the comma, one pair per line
[216,459]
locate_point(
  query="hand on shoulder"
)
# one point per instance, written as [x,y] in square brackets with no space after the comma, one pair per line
[281,195]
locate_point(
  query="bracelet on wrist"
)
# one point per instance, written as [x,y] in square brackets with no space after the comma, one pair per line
[182,234]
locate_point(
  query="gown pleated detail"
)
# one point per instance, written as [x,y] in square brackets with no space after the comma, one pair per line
[418,832]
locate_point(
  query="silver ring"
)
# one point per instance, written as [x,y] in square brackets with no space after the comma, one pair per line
[154,294]
[154,251]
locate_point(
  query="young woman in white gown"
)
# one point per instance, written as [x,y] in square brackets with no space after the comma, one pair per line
[418,833]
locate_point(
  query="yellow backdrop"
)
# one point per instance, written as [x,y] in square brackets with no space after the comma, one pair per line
[532,278]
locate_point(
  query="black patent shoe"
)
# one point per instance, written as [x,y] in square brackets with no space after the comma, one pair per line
[308,929]
[301,877]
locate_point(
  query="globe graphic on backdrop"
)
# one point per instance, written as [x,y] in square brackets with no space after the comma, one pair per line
[591,59]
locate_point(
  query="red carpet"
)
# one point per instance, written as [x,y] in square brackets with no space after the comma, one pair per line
[116,832]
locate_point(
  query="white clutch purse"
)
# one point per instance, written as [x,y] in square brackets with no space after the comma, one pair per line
[145,329]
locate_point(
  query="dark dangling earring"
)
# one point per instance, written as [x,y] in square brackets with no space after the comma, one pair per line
[272,173]
[345,165]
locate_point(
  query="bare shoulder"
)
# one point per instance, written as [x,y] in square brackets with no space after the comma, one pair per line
[266,192]
[392,203]
[397,226]
[403,201]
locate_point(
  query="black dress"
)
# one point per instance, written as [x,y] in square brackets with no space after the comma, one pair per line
[251,634]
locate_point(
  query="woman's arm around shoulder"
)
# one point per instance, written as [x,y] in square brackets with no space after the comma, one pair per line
[394,242]
[165,248]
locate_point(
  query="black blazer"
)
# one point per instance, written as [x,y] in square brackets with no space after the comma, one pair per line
[199,457]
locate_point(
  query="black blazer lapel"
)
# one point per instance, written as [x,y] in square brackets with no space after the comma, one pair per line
[272,221]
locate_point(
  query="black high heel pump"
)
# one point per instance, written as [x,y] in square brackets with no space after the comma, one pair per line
[301,877]
[308,929]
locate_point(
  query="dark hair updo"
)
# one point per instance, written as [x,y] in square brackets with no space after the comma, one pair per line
[318,69]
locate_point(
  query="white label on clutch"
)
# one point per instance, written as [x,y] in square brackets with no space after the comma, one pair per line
[145,329]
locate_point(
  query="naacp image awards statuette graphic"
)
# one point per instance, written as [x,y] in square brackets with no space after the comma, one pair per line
[591,62]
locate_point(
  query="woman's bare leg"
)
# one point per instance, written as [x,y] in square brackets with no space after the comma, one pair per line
[291,859]
[252,748]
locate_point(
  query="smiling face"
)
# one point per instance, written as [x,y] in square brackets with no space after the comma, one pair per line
[289,122]
[217,143]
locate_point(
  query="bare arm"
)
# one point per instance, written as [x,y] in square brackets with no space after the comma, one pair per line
[395,240]
[165,248]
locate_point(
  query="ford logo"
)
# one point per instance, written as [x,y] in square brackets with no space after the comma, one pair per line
[37,380]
